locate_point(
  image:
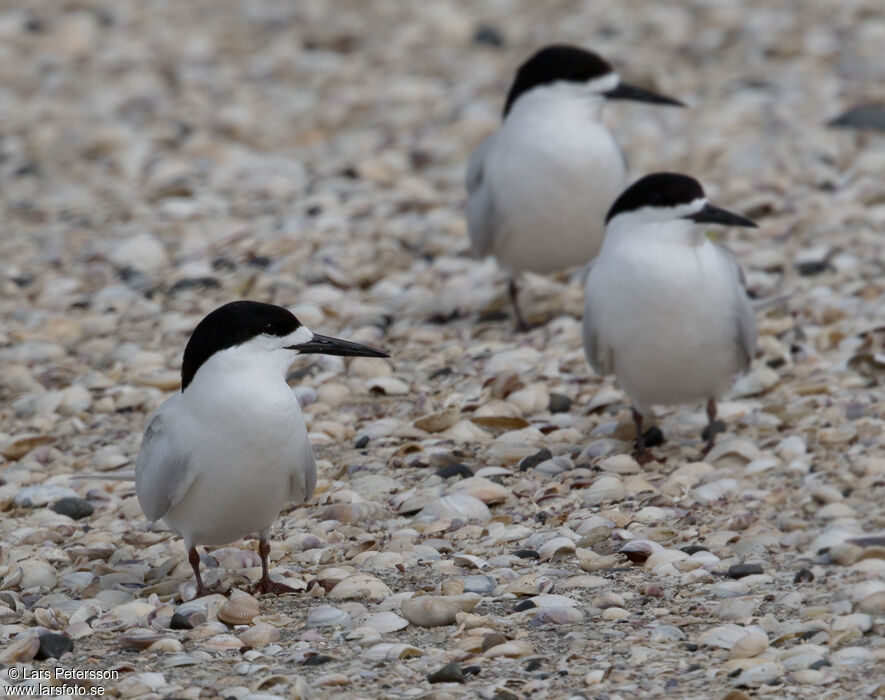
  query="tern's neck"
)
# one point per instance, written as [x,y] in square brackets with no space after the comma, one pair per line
[553,105]
[679,232]
[236,375]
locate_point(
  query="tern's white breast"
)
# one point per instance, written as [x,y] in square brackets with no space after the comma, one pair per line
[667,314]
[553,173]
[247,440]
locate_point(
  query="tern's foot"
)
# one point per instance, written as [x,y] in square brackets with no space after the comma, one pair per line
[212,590]
[712,430]
[267,585]
[644,456]
[653,437]
[492,316]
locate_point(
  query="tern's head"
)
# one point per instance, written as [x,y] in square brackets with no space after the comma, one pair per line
[670,204]
[569,70]
[250,331]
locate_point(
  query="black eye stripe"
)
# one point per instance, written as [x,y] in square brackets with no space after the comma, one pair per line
[231,325]
[657,190]
[556,63]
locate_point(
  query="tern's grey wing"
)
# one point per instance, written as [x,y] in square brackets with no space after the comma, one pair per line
[598,355]
[162,474]
[481,224]
[304,479]
[745,314]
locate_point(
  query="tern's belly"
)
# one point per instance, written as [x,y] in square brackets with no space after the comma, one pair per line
[549,241]
[687,373]
[219,511]
[552,202]
[670,329]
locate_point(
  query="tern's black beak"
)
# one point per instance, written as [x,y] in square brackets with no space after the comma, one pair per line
[324,345]
[714,215]
[630,92]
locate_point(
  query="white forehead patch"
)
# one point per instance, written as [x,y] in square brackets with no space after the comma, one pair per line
[650,213]
[603,83]
[301,335]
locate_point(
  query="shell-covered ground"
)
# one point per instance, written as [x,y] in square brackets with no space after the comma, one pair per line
[158,159]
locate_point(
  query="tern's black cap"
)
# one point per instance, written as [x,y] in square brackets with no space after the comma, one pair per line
[555,63]
[231,325]
[657,190]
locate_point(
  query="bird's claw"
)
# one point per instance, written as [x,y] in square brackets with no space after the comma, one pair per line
[215,588]
[653,437]
[267,585]
[711,431]
[644,456]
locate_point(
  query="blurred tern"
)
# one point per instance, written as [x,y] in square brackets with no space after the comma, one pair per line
[221,458]
[539,187]
[666,310]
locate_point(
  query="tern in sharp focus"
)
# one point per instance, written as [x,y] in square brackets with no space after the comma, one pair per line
[221,458]
[666,309]
[538,189]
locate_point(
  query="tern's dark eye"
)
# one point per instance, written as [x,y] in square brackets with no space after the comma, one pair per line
[268,328]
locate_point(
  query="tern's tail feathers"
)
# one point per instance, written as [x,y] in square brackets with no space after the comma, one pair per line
[108,476]
[768,302]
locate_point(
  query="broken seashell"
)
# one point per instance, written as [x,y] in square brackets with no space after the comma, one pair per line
[222,642]
[556,548]
[514,649]
[139,638]
[557,615]
[21,650]
[327,616]
[360,586]
[442,420]
[385,622]
[391,652]
[457,505]
[167,644]
[481,488]
[751,644]
[605,488]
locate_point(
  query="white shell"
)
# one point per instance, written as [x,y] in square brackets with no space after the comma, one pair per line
[457,505]
[386,651]
[483,489]
[753,643]
[359,586]
[436,611]
[515,649]
[260,635]
[222,642]
[385,622]
[558,615]
[556,548]
[327,616]
[605,488]
[239,610]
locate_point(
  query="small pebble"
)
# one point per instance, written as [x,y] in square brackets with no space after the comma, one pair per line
[460,470]
[803,576]
[532,461]
[53,645]
[559,403]
[491,640]
[75,508]
[741,570]
[450,673]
